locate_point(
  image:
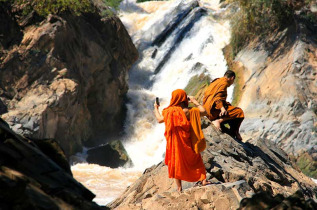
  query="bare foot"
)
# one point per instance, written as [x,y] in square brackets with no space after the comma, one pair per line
[216,123]
[205,182]
[179,189]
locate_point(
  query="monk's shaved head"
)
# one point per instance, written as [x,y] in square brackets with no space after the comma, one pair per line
[230,74]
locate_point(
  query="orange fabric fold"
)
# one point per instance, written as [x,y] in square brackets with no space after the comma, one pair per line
[215,93]
[183,163]
[196,134]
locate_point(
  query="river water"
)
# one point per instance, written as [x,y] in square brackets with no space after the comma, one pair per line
[172,38]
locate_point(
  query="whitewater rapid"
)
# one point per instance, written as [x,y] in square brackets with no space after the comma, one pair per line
[163,67]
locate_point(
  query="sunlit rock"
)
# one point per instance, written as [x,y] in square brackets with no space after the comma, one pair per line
[64,76]
[237,170]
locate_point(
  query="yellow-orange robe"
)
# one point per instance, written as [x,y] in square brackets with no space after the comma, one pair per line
[183,163]
[196,134]
[215,98]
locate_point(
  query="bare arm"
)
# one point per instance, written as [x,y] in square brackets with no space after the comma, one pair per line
[202,110]
[159,117]
[223,112]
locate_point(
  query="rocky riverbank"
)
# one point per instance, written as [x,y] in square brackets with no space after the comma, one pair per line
[237,170]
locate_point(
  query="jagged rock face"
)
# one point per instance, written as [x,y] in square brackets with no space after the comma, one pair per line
[67,78]
[237,170]
[279,98]
[31,180]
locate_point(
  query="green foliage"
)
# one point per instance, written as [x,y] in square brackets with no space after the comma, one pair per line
[113,3]
[196,86]
[307,165]
[139,1]
[45,7]
[258,18]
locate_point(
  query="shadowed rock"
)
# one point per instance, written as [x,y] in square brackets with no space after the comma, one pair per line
[31,180]
[112,155]
[264,200]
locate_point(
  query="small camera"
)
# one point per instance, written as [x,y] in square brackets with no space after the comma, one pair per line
[157,101]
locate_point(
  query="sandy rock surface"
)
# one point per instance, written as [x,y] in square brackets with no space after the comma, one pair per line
[236,169]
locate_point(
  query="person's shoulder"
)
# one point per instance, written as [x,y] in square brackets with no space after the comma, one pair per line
[186,109]
[223,81]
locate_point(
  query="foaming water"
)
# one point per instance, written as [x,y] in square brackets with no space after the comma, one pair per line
[202,44]
[197,39]
[106,183]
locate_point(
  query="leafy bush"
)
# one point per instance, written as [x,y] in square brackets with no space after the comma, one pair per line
[45,7]
[258,18]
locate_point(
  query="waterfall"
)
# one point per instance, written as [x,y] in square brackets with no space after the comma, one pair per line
[172,38]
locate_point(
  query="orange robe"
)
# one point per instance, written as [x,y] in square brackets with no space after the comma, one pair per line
[183,163]
[215,98]
[196,134]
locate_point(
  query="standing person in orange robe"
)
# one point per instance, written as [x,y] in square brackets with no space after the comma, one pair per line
[220,111]
[182,160]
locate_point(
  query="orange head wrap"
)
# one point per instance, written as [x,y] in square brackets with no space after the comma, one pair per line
[178,96]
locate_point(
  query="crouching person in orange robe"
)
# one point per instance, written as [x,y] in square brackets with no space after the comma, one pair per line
[220,111]
[182,160]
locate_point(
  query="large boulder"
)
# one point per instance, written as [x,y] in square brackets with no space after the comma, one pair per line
[64,77]
[237,170]
[31,180]
[112,155]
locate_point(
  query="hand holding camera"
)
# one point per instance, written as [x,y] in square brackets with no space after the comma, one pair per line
[157,103]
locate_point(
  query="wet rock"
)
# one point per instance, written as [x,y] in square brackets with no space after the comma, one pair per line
[112,155]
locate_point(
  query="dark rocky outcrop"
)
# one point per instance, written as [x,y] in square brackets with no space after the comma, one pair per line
[31,180]
[112,155]
[64,77]
[51,149]
[266,201]
[237,170]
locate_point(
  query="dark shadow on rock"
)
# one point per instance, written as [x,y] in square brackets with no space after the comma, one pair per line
[29,179]
[264,200]
[273,165]
[112,155]
[263,158]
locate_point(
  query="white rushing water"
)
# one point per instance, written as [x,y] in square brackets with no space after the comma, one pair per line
[162,68]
